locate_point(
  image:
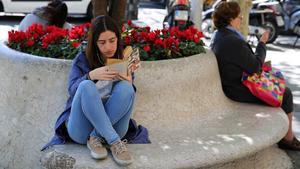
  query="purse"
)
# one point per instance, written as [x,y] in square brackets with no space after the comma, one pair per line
[268,85]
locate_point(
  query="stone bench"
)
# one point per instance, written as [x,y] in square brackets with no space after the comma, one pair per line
[191,122]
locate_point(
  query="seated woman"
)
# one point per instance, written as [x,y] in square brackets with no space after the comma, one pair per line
[95,118]
[55,13]
[234,56]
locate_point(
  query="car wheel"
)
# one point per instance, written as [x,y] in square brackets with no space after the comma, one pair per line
[207,28]
[271,26]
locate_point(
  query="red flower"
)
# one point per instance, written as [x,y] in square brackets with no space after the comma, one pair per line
[127,40]
[35,36]
[196,39]
[49,41]
[200,35]
[123,28]
[76,32]
[147,29]
[147,48]
[15,36]
[165,31]
[129,22]
[152,36]
[76,44]
[144,36]
[30,43]
[157,32]
[193,29]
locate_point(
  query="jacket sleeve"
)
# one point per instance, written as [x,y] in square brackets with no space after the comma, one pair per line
[247,60]
[76,76]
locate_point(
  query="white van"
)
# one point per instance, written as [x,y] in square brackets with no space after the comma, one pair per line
[75,7]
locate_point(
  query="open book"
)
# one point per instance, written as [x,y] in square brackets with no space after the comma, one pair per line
[131,56]
[121,65]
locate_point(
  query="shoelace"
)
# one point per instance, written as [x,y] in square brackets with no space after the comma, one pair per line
[121,146]
[97,142]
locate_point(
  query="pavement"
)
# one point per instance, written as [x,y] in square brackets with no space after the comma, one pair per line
[281,53]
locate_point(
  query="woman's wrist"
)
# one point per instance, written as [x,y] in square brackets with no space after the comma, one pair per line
[88,76]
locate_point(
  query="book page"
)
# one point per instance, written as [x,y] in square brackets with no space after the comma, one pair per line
[121,65]
[134,58]
[117,65]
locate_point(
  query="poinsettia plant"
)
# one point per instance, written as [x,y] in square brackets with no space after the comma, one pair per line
[56,42]
[49,41]
[165,43]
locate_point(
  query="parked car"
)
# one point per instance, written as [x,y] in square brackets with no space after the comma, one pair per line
[75,7]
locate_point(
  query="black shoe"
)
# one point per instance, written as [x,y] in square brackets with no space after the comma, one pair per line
[293,145]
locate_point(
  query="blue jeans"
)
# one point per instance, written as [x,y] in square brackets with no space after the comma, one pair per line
[92,116]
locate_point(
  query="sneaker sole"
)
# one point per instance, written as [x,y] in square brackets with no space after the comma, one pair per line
[121,162]
[96,155]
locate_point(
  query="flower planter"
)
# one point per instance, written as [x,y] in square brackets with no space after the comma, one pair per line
[190,121]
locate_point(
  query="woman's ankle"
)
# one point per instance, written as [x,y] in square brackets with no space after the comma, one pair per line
[288,137]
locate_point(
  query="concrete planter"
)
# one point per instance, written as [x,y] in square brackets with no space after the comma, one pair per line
[33,92]
[180,101]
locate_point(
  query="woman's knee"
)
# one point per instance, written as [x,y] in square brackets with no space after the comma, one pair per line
[87,87]
[124,89]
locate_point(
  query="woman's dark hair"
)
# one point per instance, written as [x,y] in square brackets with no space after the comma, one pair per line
[225,12]
[99,25]
[55,13]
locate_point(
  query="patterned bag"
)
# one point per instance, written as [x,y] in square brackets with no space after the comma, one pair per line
[269,85]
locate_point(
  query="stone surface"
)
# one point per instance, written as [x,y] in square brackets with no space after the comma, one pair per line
[32,94]
[190,121]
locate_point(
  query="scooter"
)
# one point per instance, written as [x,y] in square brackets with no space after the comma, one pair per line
[289,12]
[178,15]
[259,20]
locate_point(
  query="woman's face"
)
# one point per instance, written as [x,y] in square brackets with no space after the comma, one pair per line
[107,43]
[236,22]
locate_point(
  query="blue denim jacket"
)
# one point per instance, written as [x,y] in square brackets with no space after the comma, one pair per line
[136,133]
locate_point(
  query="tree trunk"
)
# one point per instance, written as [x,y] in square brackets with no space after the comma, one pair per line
[114,8]
[196,12]
[245,5]
[100,7]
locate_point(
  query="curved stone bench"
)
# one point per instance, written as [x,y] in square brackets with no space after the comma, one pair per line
[191,122]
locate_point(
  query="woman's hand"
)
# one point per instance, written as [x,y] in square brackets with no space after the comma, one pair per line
[103,73]
[134,65]
[126,76]
[265,37]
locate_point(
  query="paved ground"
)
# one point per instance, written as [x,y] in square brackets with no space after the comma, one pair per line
[281,53]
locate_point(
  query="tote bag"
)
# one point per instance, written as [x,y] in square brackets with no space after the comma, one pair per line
[268,85]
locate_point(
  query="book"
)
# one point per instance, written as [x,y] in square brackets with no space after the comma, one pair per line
[131,56]
[118,65]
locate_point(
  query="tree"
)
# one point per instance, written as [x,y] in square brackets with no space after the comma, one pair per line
[245,9]
[196,12]
[112,8]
